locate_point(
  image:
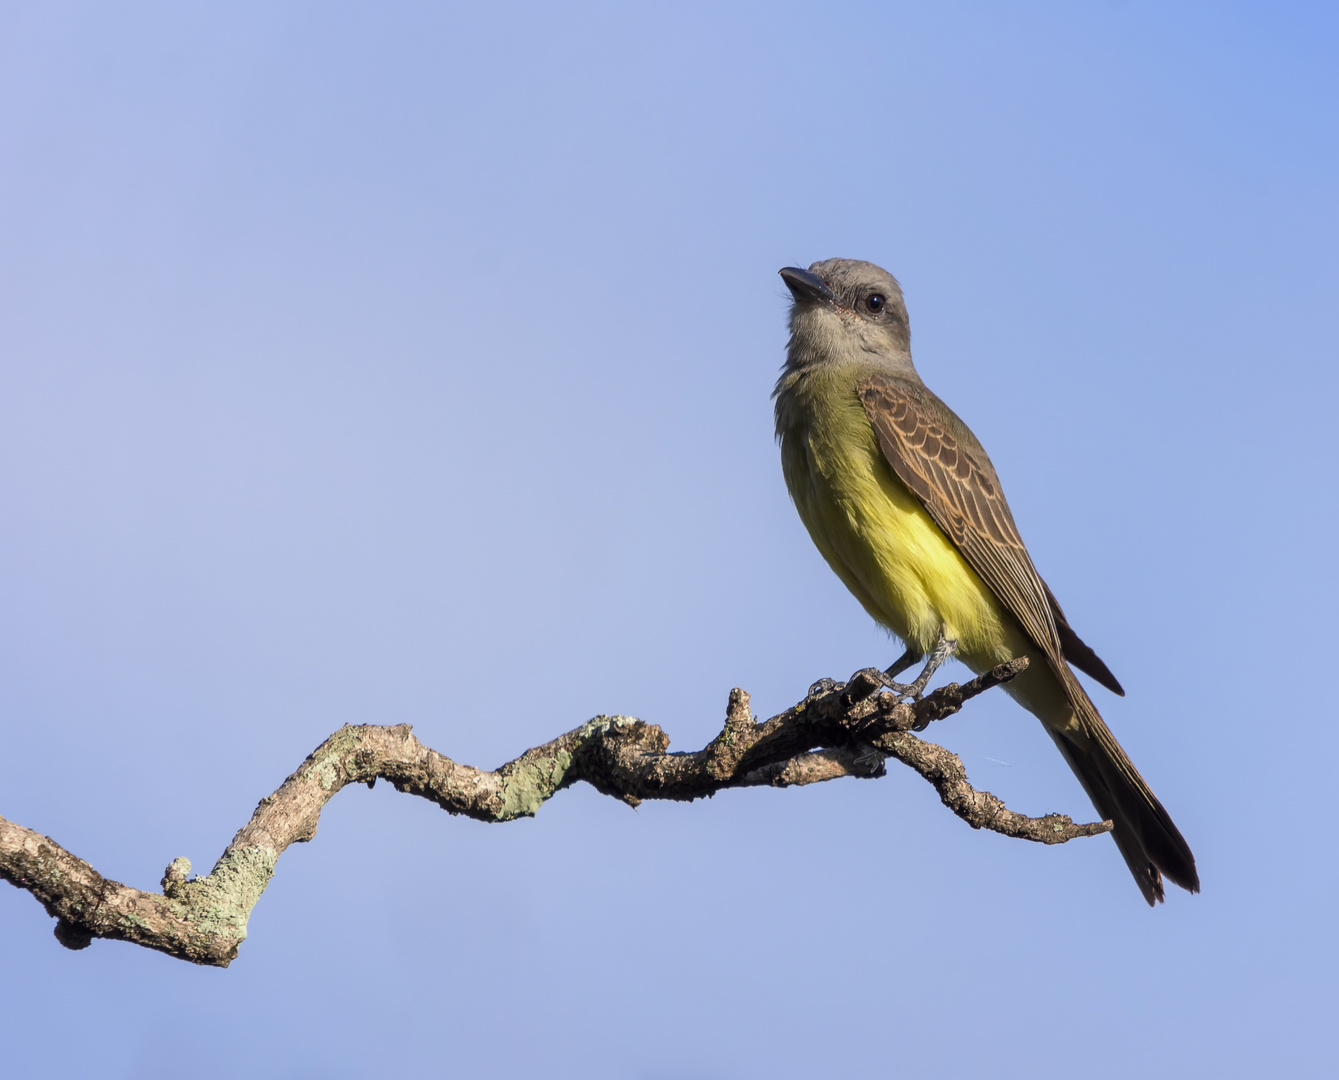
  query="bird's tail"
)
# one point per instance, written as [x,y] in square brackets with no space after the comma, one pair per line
[1144,832]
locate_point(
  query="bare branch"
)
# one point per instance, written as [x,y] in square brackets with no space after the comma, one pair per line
[839,729]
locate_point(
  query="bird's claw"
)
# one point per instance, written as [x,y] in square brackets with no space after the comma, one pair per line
[868,680]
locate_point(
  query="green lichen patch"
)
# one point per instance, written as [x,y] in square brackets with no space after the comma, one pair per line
[601,724]
[531,782]
[533,779]
[326,763]
[221,903]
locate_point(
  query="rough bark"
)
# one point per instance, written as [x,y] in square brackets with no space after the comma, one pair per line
[839,729]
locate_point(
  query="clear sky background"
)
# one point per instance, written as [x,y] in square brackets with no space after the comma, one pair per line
[396,362]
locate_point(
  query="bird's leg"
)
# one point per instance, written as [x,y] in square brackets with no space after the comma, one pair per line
[944,648]
[908,659]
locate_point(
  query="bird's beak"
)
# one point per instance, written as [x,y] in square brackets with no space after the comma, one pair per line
[806,285]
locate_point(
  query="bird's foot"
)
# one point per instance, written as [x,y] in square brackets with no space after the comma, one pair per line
[867,680]
[871,679]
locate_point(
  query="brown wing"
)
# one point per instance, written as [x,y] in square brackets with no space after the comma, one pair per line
[934,454]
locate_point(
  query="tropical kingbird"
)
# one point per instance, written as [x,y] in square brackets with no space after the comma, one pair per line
[905,506]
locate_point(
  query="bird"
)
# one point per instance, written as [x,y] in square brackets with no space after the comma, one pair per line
[903,503]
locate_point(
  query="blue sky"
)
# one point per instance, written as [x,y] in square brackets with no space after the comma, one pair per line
[402,363]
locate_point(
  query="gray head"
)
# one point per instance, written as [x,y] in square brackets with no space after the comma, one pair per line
[846,310]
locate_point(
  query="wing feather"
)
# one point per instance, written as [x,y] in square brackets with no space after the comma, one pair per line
[934,454]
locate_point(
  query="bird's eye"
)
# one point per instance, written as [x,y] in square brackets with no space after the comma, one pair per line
[875,302]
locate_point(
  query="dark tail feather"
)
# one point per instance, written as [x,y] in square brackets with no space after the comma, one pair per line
[1150,843]
[1146,875]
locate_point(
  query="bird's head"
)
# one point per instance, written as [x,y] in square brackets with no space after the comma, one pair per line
[846,310]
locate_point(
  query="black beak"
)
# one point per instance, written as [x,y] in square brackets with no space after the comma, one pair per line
[805,285]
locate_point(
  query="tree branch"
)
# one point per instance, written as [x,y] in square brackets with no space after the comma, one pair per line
[839,729]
